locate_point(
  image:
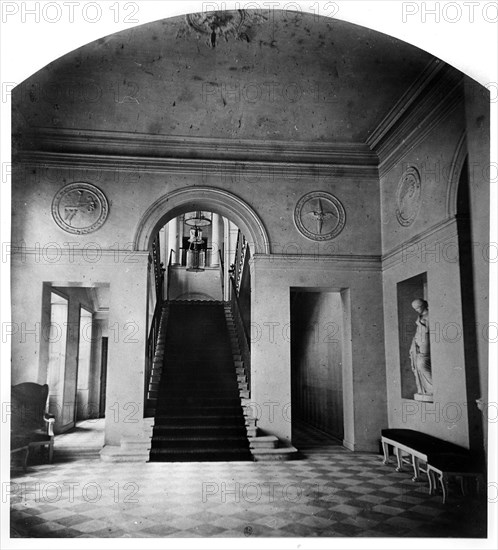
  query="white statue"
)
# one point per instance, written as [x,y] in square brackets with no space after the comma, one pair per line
[420,352]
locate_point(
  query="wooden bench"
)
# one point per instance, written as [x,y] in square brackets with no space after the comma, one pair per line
[419,448]
[447,465]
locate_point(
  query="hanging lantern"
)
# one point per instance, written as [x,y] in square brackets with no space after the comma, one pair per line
[196,253]
[198,219]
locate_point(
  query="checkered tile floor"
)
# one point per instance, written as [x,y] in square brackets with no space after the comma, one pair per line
[331,492]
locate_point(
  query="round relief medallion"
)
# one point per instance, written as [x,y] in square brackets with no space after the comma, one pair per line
[80,208]
[319,216]
[408,196]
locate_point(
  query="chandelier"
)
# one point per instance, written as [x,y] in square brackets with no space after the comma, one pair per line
[198,219]
[196,253]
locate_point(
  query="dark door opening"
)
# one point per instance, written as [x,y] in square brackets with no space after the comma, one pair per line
[316,368]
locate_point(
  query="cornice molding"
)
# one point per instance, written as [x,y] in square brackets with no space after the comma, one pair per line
[72,255]
[436,94]
[125,144]
[405,102]
[454,177]
[440,232]
[191,166]
[315,262]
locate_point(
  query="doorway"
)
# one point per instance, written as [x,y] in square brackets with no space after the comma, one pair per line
[83,404]
[317,367]
[57,343]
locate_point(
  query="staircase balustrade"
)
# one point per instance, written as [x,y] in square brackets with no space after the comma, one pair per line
[151,344]
[244,339]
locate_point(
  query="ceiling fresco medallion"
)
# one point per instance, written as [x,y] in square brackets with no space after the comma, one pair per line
[408,196]
[221,24]
[319,216]
[80,208]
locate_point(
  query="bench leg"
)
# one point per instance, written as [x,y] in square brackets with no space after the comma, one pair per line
[432,481]
[416,469]
[443,479]
[400,459]
[385,448]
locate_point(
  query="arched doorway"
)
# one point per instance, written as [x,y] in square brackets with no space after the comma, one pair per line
[198,352]
[173,206]
[202,198]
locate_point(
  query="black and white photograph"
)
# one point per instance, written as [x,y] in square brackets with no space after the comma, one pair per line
[249,274]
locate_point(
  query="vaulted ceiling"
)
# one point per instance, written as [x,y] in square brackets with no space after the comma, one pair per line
[242,75]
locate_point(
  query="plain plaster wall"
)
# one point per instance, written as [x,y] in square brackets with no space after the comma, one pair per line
[190,285]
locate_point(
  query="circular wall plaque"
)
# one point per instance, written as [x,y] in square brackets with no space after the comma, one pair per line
[319,216]
[80,208]
[408,196]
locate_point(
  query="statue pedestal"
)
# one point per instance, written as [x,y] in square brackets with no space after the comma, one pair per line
[423,397]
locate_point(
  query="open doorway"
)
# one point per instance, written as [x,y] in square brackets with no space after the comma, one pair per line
[57,342]
[317,367]
[75,325]
[83,404]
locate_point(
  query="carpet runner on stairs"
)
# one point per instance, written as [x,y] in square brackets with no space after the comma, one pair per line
[198,415]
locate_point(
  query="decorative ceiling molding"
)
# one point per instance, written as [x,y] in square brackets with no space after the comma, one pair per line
[125,144]
[191,166]
[418,129]
[405,102]
[454,176]
[438,93]
[313,262]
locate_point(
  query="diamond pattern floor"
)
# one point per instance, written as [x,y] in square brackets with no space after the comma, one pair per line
[331,492]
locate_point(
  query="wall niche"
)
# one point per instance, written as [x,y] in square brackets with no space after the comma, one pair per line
[414,288]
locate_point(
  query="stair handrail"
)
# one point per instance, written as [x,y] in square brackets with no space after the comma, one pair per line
[236,259]
[244,340]
[222,274]
[170,263]
[158,269]
[151,344]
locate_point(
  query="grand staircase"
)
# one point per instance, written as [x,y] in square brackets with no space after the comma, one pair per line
[198,411]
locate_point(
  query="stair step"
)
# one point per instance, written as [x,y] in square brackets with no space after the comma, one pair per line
[280,453]
[188,438]
[264,442]
[212,421]
[213,449]
[203,444]
[206,457]
[186,410]
[199,431]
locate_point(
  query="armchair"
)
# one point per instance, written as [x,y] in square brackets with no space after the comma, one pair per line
[31,426]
